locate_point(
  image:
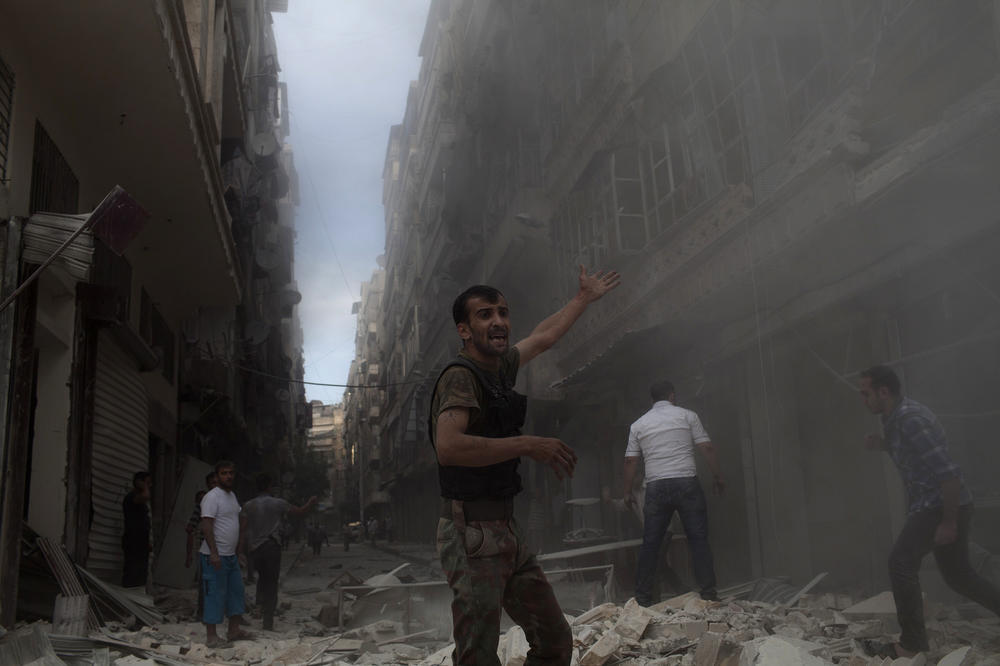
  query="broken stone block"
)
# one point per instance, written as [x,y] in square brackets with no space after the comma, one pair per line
[707,653]
[778,651]
[695,629]
[585,636]
[665,630]
[718,627]
[880,604]
[632,622]
[516,647]
[956,657]
[597,613]
[602,650]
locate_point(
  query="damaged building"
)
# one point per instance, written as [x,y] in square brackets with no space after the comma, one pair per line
[153,351]
[792,191]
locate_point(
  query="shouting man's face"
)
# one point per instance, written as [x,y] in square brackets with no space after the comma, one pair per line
[486,330]
[227,477]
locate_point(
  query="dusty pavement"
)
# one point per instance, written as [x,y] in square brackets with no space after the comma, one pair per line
[761,622]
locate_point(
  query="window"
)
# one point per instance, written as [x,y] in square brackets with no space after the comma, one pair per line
[54,186]
[154,330]
[6,109]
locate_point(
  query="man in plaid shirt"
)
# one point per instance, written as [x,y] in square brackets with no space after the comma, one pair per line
[939,508]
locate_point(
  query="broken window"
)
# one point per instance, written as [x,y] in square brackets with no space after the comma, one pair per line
[630,214]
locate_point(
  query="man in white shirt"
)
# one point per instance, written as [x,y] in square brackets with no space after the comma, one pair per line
[665,438]
[222,553]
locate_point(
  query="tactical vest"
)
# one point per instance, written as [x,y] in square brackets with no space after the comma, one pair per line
[501,414]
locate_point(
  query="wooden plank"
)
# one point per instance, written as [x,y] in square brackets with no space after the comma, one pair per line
[589,550]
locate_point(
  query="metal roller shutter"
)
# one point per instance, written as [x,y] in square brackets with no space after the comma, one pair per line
[121,448]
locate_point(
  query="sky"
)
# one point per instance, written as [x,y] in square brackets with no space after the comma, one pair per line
[348,65]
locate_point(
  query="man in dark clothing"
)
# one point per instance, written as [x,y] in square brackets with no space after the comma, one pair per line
[474,425]
[135,538]
[939,508]
[264,517]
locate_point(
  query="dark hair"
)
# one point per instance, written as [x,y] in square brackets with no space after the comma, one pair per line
[200,494]
[224,464]
[883,375]
[661,390]
[211,475]
[139,476]
[263,482]
[459,308]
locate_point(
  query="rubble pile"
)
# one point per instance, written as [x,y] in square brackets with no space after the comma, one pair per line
[683,631]
[821,630]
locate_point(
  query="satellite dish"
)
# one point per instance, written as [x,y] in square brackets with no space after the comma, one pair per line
[289,297]
[267,257]
[264,144]
[282,395]
[257,332]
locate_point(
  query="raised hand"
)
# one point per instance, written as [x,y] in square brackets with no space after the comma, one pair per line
[594,286]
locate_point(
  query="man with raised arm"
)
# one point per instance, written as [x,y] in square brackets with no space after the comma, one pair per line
[475,427]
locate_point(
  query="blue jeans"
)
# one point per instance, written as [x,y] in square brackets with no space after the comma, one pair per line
[663,497]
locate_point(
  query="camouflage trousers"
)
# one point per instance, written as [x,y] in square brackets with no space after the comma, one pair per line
[489,568]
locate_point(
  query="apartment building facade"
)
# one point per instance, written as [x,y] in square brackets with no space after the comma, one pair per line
[121,359]
[791,190]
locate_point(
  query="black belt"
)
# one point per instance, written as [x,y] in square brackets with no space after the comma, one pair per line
[484,509]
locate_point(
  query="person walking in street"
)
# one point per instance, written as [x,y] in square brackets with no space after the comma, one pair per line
[264,516]
[222,553]
[345,533]
[136,545]
[665,438]
[475,425]
[939,509]
[372,529]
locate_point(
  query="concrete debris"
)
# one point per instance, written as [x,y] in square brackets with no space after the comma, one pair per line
[763,623]
[815,631]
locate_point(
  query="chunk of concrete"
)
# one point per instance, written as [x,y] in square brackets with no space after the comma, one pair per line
[778,651]
[597,613]
[957,657]
[707,652]
[880,604]
[633,621]
[516,647]
[695,629]
[602,650]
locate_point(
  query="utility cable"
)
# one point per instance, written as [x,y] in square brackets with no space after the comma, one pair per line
[302,381]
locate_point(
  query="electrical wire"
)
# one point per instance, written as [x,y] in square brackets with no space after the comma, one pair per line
[254,371]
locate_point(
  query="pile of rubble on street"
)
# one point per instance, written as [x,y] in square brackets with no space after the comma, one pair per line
[685,630]
[399,614]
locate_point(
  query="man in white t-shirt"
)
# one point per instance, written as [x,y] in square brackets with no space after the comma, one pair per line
[222,553]
[665,438]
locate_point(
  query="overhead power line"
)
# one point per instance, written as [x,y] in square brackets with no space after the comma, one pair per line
[302,381]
